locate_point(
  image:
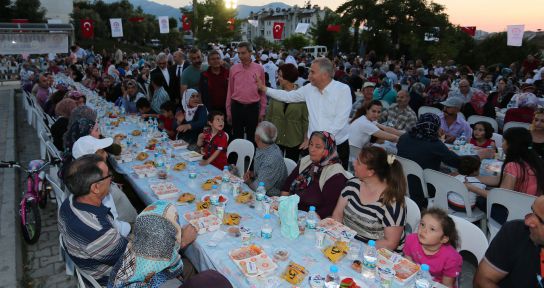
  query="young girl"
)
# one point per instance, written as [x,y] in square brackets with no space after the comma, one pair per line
[213,142]
[434,244]
[481,135]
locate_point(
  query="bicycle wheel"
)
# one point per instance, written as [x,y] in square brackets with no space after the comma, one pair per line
[33,226]
[43,193]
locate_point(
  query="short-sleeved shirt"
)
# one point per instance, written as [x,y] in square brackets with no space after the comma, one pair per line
[215,143]
[457,128]
[446,262]
[370,220]
[191,77]
[527,185]
[513,252]
[360,132]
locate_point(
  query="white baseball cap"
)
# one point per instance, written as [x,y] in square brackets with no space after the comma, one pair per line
[89,145]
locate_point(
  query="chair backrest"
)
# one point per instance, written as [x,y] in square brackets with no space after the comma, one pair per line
[243,148]
[412,168]
[444,184]
[511,124]
[498,139]
[471,238]
[413,215]
[59,193]
[290,165]
[52,150]
[518,204]
[82,278]
[477,118]
[428,109]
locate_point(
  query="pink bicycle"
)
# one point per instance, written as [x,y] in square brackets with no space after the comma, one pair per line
[35,196]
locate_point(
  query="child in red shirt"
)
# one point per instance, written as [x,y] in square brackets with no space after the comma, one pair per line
[213,141]
[167,120]
[481,135]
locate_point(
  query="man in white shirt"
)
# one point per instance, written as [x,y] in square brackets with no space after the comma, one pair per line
[161,71]
[271,69]
[328,102]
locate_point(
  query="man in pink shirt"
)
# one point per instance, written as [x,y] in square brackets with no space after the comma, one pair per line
[246,106]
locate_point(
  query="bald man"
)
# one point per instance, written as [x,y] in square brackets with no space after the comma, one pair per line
[514,257]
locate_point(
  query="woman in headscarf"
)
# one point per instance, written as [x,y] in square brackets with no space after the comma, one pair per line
[423,146]
[130,96]
[152,258]
[385,91]
[193,119]
[416,96]
[63,110]
[527,103]
[52,102]
[78,97]
[319,177]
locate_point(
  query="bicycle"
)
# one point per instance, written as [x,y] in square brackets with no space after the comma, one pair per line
[35,196]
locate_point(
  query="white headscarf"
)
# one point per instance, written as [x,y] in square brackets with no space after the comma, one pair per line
[189,112]
[291,59]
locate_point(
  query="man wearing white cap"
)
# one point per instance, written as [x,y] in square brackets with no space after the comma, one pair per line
[269,68]
[116,200]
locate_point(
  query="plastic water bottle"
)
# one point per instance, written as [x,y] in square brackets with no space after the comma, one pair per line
[370,257]
[424,279]
[214,197]
[332,280]
[225,181]
[259,197]
[311,218]
[123,111]
[266,229]
[192,174]
[462,139]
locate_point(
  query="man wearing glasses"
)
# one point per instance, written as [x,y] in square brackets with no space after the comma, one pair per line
[515,257]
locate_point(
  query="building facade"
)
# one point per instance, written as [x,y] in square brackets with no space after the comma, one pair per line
[289,16]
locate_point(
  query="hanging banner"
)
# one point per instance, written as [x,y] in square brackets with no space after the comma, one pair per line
[33,43]
[87,28]
[333,28]
[302,28]
[186,23]
[515,35]
[164,26]
[254,23]
[277,30]
[116,27]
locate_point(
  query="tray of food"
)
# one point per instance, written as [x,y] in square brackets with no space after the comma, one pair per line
[178,144]
[136,132]
[145,170]
[336,230]
[222,198]
[186,198]
[164,190]
[180,166]
[208,184]
[142,156]
[252,261]
[191,156]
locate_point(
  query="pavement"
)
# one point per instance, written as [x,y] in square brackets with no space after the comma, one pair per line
[37,265]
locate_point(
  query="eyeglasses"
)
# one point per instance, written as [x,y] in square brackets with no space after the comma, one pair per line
[536,215]
[103,178]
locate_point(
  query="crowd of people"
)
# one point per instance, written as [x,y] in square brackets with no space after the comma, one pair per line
[329,116]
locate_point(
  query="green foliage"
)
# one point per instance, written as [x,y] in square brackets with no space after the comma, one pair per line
[27,9]
[295,41]
[319,32]
[7,11]
[493,50]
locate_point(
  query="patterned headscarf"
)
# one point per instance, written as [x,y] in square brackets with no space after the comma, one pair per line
[313,171]
[478,101]
[82,112]
[65,107]
[152,258]
[427,127]
[527,99]
[78,129]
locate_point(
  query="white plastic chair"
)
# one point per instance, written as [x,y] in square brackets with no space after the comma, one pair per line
[428,109]
[60,195]
[515,124]
[412,168]
[498,139]
[413,215]
[477,118]
[353,154]
[444,184]
[290,165]
[243,148]
[518,205]
[471,237]
[44,137]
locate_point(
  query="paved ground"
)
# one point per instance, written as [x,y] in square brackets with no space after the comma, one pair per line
[43,266]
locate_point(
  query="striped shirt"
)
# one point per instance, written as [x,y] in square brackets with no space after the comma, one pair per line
[90,238]
[370,220]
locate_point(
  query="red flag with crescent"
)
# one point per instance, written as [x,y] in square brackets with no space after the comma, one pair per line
[470,30]
[231,24]
[277,30]
[87,28]
[186,23]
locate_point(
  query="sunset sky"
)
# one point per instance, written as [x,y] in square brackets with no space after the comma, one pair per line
[487,15]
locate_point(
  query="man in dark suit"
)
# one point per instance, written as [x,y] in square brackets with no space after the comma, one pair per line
[163,73]
[175,70]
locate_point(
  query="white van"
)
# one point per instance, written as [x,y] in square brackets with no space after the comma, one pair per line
[316,51]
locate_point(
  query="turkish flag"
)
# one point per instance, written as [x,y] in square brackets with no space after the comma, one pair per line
[186,23]
[87,28]
[277,30]
[19,20]
[136,19]
[333,28]
[231,24]
[470,30]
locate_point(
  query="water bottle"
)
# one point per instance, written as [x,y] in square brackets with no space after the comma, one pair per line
[145,126]
[332,280]
[424,279]
[214,197]
[123,111]
[266,229]
[192,174]
[462,139]
[311,218]
[259,196]
[225,181]
[155,125]
[370,257]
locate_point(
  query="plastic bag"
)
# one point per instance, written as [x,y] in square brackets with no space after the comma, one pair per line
[288,212]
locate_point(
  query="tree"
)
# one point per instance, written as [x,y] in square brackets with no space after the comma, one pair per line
[7,10]
[319,32]
[356,12]
[295,41]
[29,9]
[211,24]
[493,50]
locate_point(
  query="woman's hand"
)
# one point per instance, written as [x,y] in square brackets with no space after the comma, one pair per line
[188,235]
[260,84]
[180,116]
[248,176]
